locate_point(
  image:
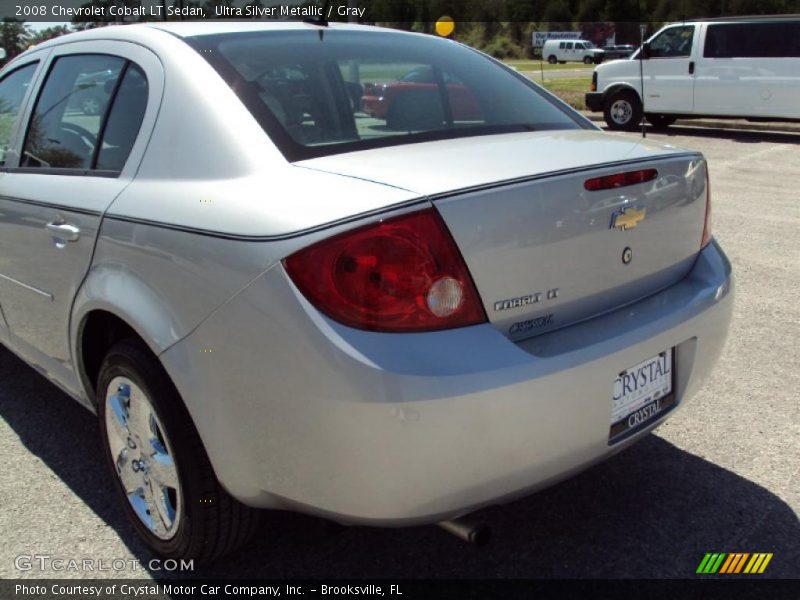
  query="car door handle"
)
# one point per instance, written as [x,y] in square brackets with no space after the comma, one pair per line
[64,231]
[691,68]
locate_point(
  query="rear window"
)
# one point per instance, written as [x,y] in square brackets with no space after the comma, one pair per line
[318,92]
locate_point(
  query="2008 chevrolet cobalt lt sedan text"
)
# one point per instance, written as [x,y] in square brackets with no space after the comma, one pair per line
[274,299]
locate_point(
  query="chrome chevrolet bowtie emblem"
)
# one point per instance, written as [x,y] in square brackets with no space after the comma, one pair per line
[627,218]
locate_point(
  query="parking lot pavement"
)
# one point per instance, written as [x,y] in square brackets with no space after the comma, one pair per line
[720,476]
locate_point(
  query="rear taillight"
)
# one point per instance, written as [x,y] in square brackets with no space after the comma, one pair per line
[403,274]
[593,87]
[617,180]
[707,225]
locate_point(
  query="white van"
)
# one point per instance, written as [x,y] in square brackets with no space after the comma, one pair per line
[561,51]
[733,68]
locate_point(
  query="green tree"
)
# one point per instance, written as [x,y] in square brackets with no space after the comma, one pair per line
[14,36]
[48,33]
[558,15]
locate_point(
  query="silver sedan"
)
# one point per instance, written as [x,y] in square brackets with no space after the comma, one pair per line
[287,274]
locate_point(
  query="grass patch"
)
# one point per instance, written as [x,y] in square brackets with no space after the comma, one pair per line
[570,90]
[533,65]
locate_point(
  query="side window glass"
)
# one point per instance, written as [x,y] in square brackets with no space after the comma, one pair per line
[753,40]
[569,45]
[124,120]
[66,121]
[562,45]
[675,42]
[12,91]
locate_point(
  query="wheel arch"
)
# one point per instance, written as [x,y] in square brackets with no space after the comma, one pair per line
[618,87]
[110,306]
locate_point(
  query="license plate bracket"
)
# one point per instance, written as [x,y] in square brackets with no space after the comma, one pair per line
[642,394]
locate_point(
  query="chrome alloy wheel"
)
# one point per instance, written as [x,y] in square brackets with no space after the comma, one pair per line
[143,458]
[621,111]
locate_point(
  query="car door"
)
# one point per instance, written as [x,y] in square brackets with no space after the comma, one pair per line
[669,70]
[15,91]
[68,168]
[569,52]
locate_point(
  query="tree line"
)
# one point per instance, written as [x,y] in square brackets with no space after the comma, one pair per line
[502,28]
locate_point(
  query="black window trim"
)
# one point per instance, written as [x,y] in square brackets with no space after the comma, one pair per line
[112,98]
[91,171]
[61,171]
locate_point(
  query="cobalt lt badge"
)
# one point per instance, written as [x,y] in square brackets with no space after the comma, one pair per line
[627,255]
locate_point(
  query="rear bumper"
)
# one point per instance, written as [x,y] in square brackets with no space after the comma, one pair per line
[299,412]
[594,101]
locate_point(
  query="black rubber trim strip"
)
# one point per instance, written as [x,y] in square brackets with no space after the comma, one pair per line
[61,171]
[82,211]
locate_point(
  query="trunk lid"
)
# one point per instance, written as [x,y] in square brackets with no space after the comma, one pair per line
[543,251]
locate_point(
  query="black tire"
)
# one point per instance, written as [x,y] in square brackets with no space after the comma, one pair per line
[660,121]
[587,60]
[623,111]
[552,59]
[211,523]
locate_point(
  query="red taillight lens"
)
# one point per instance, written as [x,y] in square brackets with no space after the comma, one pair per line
[620,180]
[707,225]
[403,274]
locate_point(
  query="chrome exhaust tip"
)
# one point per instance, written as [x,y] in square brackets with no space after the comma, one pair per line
[478,534]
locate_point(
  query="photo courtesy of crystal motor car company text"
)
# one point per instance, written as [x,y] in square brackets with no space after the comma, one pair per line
[372,275]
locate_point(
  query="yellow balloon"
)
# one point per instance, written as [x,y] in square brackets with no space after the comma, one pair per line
[445,26]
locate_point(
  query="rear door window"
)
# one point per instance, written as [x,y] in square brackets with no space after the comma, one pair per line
[66,120]
[87,115]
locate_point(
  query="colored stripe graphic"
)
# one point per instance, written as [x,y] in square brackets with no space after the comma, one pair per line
[741,563]
[703,563]
[711,563]
[733,563]
[758,563]
[732,560]
[765,563]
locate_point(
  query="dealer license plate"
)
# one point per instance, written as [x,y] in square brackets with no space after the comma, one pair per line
[642,393]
